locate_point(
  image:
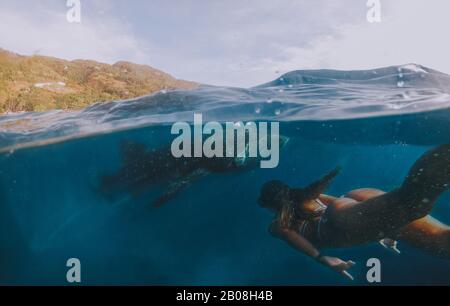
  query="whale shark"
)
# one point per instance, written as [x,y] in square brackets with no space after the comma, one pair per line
[143,168]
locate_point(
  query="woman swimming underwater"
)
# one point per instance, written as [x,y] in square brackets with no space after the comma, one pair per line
[310,221]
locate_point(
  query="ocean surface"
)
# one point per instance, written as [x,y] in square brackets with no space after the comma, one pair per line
[373,123]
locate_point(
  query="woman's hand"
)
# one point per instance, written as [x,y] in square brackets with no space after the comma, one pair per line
[303,245]
[337,265]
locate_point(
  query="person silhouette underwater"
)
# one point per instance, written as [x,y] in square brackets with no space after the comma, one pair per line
[311,221]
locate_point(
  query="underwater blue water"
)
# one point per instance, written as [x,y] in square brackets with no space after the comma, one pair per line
[373,123]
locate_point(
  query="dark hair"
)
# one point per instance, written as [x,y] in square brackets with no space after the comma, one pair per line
[272,194]
[278,196]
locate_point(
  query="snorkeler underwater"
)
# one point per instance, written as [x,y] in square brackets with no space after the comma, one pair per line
[224,143]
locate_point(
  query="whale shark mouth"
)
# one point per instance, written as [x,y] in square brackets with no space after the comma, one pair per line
[243,158]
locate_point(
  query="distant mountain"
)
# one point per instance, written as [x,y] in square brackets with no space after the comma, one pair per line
[39,83]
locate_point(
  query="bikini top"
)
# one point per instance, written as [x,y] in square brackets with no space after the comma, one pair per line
[322,206]
[308,217]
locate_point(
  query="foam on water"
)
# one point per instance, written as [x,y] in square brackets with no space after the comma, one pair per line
[298,96]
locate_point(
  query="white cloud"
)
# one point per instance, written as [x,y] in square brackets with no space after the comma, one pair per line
[49,33]
[235,42]
[410,32]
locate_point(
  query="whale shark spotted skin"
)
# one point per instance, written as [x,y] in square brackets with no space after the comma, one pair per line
[143,168]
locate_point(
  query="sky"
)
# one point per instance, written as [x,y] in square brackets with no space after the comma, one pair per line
[239,43]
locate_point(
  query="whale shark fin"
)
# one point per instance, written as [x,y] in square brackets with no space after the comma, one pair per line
[178,186]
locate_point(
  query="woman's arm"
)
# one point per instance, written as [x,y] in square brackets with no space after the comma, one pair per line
[294,239]
[301,244]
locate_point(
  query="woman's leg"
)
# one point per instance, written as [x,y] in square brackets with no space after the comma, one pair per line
[385,214]
[428,235]
[364,194]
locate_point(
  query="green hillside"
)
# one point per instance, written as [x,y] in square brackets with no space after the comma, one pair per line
[39,83]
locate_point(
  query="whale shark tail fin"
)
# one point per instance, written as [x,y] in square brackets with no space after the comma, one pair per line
[132,151]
